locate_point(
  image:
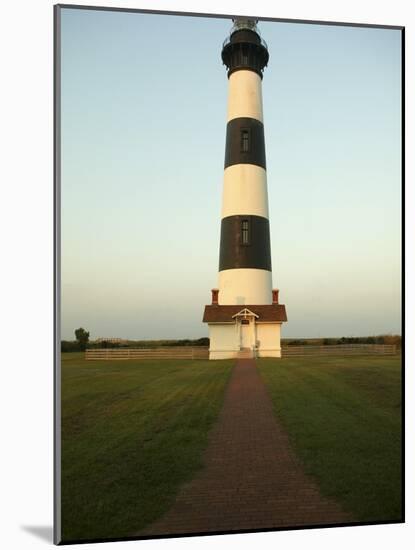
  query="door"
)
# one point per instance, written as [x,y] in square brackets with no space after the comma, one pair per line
[246,334]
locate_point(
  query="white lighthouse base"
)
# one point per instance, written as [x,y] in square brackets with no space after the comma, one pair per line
[227,340]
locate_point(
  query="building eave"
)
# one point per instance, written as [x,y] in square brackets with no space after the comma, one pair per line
[269,313]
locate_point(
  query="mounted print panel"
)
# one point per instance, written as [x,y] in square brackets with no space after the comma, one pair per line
[228,205]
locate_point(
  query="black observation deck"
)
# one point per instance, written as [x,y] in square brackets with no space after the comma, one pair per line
[245,49]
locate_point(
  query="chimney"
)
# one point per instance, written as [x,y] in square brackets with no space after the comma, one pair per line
[275,292]
[215,293]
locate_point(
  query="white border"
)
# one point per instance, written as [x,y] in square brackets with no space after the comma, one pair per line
[26,272]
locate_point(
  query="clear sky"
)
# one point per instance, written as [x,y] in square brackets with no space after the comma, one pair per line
[144,102]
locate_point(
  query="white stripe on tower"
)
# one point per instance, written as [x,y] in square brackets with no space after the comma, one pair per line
[245,95]
[245,259]
[245,191]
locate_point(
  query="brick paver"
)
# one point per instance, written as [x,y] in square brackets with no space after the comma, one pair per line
[252,479]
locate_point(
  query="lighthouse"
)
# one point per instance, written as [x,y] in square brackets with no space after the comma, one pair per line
[245,316]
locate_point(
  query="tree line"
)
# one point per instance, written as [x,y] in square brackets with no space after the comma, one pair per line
[82,342]
[394,339]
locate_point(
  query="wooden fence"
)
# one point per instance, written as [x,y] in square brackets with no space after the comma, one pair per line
[201,352]
[112,354]
[340,349]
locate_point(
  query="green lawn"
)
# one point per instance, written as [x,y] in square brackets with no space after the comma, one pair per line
[343,415]
[132,433]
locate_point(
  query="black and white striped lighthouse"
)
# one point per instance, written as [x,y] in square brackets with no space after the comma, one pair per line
[245,251]
[245,277]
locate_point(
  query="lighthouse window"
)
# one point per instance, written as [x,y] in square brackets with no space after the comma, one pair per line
[245,140]
[245,232]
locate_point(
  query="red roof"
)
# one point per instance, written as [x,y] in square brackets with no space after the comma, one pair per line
[224,314]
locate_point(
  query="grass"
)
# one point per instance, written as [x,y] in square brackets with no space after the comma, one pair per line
[343,415]
[132,433]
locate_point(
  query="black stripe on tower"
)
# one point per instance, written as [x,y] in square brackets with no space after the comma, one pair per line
[245,143]
[245,243]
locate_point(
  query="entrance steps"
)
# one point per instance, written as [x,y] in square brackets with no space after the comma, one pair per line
[245,353]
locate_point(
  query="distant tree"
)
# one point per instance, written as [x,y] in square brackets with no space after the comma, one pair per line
[68,346]
[393,339]
[113,344]
[82,337]
[296,342]
[184,342]
[202,342]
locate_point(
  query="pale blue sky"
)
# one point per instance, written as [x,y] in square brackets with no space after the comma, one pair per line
[143,135]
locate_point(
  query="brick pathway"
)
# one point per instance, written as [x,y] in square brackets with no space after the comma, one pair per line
[252,478]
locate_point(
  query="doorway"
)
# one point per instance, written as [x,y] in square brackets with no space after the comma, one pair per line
[246,340]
